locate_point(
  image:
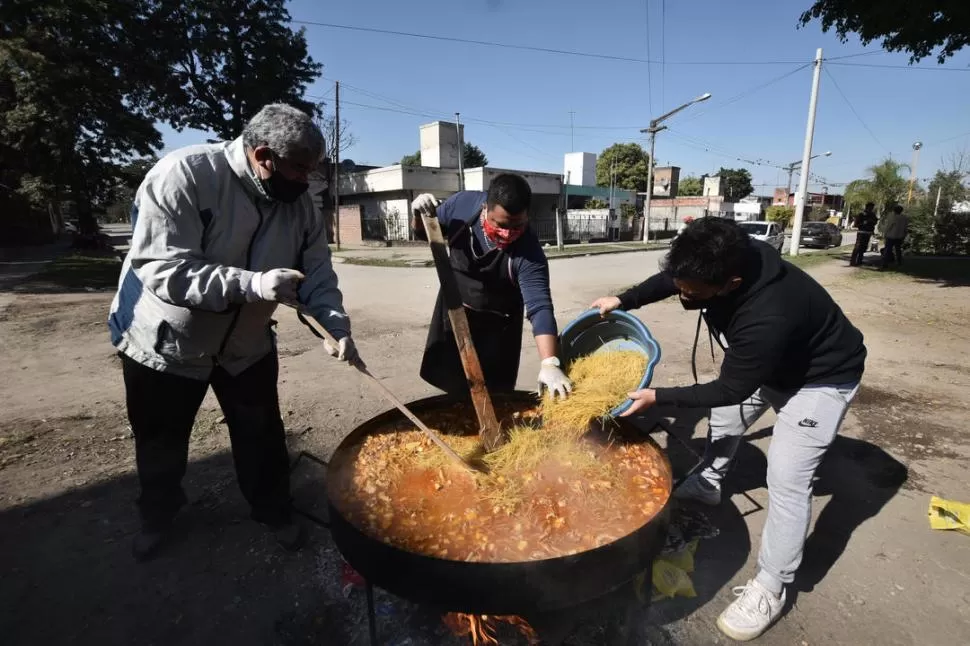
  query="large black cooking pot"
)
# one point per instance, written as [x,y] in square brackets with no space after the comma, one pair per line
[525,588]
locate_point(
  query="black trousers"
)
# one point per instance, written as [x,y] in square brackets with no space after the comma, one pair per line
[862,239]
[162,409]
[894,247]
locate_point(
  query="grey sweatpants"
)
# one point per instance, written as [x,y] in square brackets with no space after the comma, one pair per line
[808,421]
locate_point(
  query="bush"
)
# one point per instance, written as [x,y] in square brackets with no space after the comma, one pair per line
[781,214]
[948,234]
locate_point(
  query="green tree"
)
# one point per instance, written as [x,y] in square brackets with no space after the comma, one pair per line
[817,214]
[121,195]
[884,187]
[76,85]
[596,203]
[474,157]
[83,83]
[918,27]
[781,214]
[631,166]
[226,59]
[857,195]
[936,229]
[737,183]
[690,186]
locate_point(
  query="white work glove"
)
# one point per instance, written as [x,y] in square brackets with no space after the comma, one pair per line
[279,285]
[554,379]
[606,304]
[346,350]
[423,203]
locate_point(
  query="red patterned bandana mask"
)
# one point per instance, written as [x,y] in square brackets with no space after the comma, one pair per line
[500,237]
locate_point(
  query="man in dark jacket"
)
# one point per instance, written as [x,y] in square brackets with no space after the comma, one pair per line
[865,224]
[787,346]
[500,270]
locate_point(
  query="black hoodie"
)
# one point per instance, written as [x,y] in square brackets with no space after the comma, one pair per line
[783,331]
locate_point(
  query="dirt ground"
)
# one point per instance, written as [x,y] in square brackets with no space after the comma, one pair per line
[873,573]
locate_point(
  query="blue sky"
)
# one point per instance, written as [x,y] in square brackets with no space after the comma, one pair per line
[756,112]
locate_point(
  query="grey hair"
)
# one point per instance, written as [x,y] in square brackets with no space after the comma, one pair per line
[287,131]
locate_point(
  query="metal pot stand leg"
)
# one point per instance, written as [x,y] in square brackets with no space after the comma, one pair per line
[369,589]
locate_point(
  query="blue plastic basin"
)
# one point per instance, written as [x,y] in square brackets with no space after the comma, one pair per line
[589,333]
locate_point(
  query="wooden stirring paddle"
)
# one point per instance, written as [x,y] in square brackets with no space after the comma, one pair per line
[321,332]
[490,430]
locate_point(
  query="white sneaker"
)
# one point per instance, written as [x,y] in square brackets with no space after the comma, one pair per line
[697,487]
[752,612]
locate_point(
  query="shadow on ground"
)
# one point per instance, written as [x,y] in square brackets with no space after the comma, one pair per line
[940,271]
[859,477]
[71,579]
[69,576]
[72,272]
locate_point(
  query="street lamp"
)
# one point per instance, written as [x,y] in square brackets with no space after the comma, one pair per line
[912,171]
[654,128]
[795,164]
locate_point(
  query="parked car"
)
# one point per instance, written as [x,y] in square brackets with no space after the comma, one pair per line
[770,232]
[821,235]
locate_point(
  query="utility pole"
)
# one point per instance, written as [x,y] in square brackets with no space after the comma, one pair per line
[560,212]
[912,171]
[791,169]
[939,190]
[801,198]
[336,164]
[461,154]
[654,128]
[572,133]
[612,179]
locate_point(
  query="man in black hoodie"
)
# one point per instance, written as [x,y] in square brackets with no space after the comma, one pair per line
[865,223]
[787,346]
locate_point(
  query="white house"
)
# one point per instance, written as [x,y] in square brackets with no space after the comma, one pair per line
[376,203]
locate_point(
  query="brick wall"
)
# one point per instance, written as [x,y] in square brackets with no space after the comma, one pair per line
[350,229]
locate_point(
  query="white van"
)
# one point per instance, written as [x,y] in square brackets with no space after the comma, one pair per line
[770,232]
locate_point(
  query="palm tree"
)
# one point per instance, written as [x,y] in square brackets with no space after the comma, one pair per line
[885,186]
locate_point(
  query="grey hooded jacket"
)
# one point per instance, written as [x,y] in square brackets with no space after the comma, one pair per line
[202,229]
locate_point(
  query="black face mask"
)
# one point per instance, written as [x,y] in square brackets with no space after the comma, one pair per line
[282,189]
[702,303]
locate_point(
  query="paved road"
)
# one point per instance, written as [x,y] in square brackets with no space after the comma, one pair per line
[848,240]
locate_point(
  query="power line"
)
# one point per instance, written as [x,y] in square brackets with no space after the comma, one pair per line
[533,127]
[845,56]
[544,50]
[697,144]
[747,92]
[905,67]
[854,111]
[943,141]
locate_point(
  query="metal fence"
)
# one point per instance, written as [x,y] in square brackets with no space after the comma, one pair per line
[578,228]
[379,227]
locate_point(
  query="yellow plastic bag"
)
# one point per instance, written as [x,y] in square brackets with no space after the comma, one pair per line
[684,559]
[671,581]
[670,575]
[950,514]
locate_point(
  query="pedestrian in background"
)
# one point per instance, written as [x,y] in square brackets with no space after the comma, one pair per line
[865,224]
[894,231]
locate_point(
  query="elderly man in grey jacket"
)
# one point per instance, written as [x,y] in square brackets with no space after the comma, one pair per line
[222,234]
